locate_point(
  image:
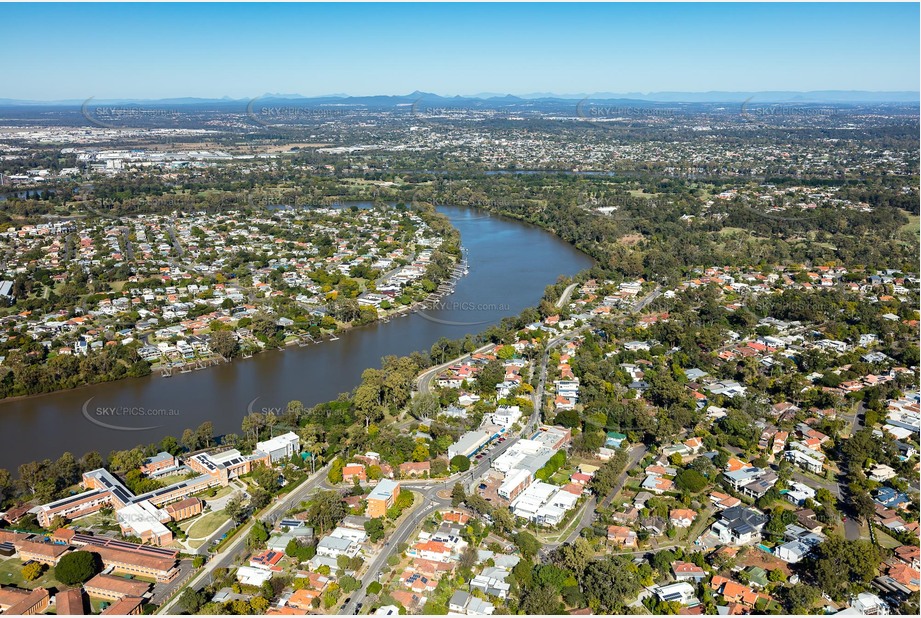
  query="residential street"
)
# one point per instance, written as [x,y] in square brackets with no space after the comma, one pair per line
[228,555]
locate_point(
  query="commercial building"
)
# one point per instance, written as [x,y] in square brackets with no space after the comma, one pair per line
[280,447]
[469,444]
[516,481]
[543,503]
[104,489]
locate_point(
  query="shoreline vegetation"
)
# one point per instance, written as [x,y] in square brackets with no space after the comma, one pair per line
[118,362]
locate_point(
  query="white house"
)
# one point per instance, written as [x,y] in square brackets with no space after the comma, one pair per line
[682,592]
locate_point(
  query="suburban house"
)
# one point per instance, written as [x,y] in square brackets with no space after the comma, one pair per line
[739,525]
[682,518]
[688,571]
[622,535]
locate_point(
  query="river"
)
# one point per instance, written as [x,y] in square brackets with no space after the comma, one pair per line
[510,265]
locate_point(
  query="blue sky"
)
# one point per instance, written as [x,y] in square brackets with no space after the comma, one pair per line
[212,50]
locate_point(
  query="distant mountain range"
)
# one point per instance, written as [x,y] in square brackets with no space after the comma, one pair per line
[772,96]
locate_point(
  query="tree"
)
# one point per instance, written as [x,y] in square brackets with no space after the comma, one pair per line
[225,344]
[32,571]
[574,557]
[801,598]
[6,485]
[490,375]
[527,544]
[375,529]
[91,461]
[334,476]
[77,567]
[568,418]
[235,510]
[458,495]
[189,441]
[424,406]
[34,473]
[541,600]
[260,498]
[325,510]
[839,565]
[460,463]
[192,600]
[609,583]
[691,480]
[259,533]
[468,557]
[349,583]
[605,479]
[204,435]
[252,425]
[421,452]
[864,505]
[266,477]
[66,470]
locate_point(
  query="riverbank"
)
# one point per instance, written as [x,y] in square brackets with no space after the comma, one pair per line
[510,265]
[349,267]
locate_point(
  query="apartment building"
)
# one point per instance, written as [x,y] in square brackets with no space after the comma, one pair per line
[382,498]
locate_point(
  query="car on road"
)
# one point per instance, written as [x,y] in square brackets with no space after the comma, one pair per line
[347,601]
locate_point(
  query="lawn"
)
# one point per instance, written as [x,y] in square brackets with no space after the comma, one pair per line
[207,524]
[172,478]
[641,193]
[97,520]
[220,493]
[11,575]
[885,541]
